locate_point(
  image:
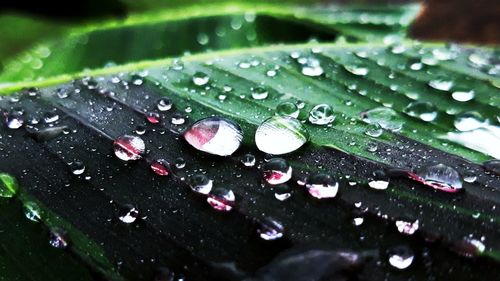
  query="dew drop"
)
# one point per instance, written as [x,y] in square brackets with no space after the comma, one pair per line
[280,134]
[77,167]
[270,229]
[276,171]
[153,117]
[180,163]
[221,199]
[321,114]
[357,70]
[8,185]
[374,130]
[248,160]
[177,119]
[58,238]
[200,183]
[14,120]
[387,118]
[259,93]
[161,167]
[492,165]
[129,214]
[129,148]
[442,85]
[463,96]
[200,78]
[400,257]
[164,104]
[288,109]
[50,117]
[214,135]
[439,177]
[32,211]
[422,109]
[322,186]
[406,226]
[468,247]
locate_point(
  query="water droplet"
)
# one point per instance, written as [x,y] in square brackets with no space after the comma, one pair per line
[50,117]
[153,117]
[248,160]
[14,120]
[469,121]
[58,238]
[259,93]
[378,184]
[406,226]
[311,67]
[439,177]
[282,192]
[62,93]
[8,185]
[280,134]
[322,186]
[161,167]
[129,148]
[442,85]
[202,38]
[214,135]
[269,229]
[32,211]
[400,257]
[164,104]
[276,171]
[180,163]
[374,130]
[463,96]
[357,70]
[321,114]
[177,119]
[129,214]
[443,54]
[387,118]
[422,109]
[200,78]
[200,183]
[468,247]
[470,178]
[221,199]
[140,130]
[77,168]
[288,109]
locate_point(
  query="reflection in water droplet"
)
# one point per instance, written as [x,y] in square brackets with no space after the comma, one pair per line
[469,121]
[280,135]
[129,148]
[422,109]
[248,160]
[439,177]
[321,114]
[58,238]
[387,118]
[259,93]
[200,183]
[269,229]
[200,78]
[32,211]
[322,186]
[463,96]
[221,199]
[276,171]
[161,167]
[214,135]
[400,257]
[8,185]
[288,109]
[129,214]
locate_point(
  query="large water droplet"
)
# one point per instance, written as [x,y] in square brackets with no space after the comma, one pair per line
[269,229]
[282,192]
[374,130]
[280,134]
[129,148]
[200,78]
[200,183]
[321,114]
[129,214]
[161,167]
[400,257]
[153,117]
[221,199]
[422,109]
[387,118]
[276,171]
[469,121]
[77,167]
[322,186]
[214,135]
[440,177]
[8,185]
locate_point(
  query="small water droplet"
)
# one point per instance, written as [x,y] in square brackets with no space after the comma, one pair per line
[387,118]
[164,104]
[153,117]
[282,192]
[180,163]
[276,171]
[221,199]
[248,160]
[374,130]
[422,109]
[129,148]
[8,185]
[214,135]
[259,93]
[200,78]
[440,84]
[469,121]
[14,120]
[32,211]
[140,130]
[161,167]
[280,134]
[77,167]
[322,186]
[321,114]
[58,238]
[129,214]
[288,109]
[62,93]
[270,229]
[407,226]
[400,257]
[463,96]
[200,183]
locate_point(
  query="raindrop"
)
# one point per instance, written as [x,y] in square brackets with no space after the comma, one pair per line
[129,214]
[280,134]
[200,78]
[153,117]
[164,104]
[58,238]
[248,160]
[463,96]
[406,226]
[288,109]
[442,85]
[357,70]
[259,93]
[439,177]
[200,183]
[8,185]
[214,135]
[469,121]
[400,257]
[282,192]
[32,211]
[270,229]
[77,168]
[276,171]
[422,109]
[129,147]
[387,118]
[322,186]
[311,67]
[14,120]
[374,130]
[161,167]
[177,119]
[321,114]
[221,199]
